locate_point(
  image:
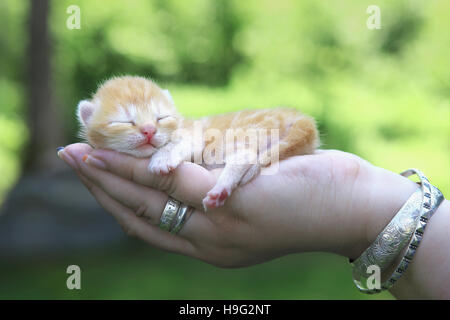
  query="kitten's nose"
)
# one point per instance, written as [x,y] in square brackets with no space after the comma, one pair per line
[148,130]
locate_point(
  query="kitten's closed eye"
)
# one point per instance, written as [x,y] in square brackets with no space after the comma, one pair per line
[118,123]
[164,119]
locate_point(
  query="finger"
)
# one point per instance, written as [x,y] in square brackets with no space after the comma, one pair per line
[76,148]
[189,183]
[144,201]
[137,227]
[196,225]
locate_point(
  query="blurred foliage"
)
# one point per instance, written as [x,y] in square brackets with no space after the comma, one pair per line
[381,94]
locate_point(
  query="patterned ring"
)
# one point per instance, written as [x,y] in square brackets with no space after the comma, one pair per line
[169,213]
[180,218]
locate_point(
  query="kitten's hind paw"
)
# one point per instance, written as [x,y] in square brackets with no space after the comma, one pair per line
[216,198]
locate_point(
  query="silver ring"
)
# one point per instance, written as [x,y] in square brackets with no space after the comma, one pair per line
[169,213]
[180,218]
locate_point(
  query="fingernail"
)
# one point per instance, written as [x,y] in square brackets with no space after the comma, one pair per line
[59,151]
[94,162]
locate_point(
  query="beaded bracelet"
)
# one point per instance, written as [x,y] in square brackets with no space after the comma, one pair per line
[407,225]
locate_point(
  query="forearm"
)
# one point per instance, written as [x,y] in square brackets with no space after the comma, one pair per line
[428,276]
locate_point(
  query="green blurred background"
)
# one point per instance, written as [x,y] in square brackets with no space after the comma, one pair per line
[381,94]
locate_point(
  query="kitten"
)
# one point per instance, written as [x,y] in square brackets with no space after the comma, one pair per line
[134,116]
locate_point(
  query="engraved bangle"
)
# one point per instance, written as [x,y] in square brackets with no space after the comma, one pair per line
[389,243]
[407,225]
[433,197]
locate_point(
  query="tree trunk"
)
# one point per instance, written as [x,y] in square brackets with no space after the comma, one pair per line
[44,120]
[49,212]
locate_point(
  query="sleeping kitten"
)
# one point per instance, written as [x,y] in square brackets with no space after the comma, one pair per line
[134,116]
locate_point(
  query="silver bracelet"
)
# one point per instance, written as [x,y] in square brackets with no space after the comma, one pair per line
[408,225]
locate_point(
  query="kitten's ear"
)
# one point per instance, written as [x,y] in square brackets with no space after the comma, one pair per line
[85,111]
[168,95]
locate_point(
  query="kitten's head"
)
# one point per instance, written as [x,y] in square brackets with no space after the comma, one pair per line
[129,114]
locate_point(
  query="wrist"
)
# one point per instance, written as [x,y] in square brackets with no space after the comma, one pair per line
[357,200]
[386,192]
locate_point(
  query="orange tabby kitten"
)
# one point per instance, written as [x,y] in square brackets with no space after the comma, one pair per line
[134,116]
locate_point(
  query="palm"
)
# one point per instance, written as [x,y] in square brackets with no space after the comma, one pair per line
[299,191]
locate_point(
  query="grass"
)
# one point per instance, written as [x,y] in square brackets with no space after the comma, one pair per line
[140,272]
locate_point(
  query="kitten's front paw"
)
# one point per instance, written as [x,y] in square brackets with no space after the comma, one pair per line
[216,197]
[162,164]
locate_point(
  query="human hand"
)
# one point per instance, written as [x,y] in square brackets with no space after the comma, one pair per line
[330,201]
